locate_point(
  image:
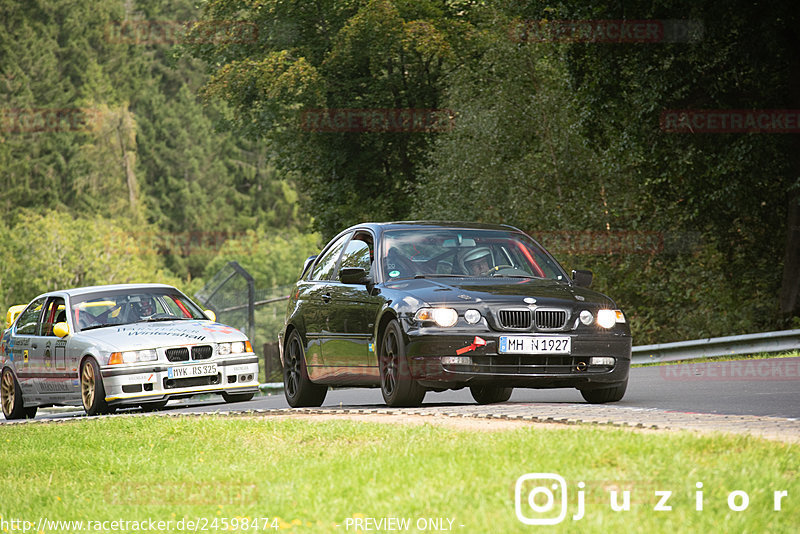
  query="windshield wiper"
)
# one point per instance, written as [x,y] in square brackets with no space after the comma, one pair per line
[439,275]
[92,327]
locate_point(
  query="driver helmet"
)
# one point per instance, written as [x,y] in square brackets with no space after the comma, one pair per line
[474,260]
[146,307]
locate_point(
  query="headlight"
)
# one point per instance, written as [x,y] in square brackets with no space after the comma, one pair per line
[237,347]
[444,317]
[608,318]
[132,356]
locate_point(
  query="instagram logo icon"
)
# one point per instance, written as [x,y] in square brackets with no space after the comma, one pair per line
[541,498]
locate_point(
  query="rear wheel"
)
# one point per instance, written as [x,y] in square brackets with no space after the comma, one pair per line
[237,397]
[490,394]
[11,398]
[397,385]
[93,393]
[298,388]
[603,395]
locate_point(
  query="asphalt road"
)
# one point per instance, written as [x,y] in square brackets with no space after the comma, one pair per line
[769,387]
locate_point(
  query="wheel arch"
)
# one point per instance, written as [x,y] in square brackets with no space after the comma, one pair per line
[386,317]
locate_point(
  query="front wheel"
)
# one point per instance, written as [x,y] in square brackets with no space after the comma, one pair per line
[490,394]
[607,394]
[298,388]
[93,394]
[11,398]
[237,397]
[397,385]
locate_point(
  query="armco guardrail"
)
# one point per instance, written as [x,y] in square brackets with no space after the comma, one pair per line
[780,341]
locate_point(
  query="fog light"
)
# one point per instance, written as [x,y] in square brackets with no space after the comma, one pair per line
[472,316]
[586,317]
[601,360]
[456,360]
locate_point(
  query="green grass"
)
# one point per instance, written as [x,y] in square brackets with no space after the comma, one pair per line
[314,475]
[734,357]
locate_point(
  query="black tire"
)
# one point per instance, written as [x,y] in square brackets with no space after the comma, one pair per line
[603,395]
[11,398]
[93,394]
[237,397]
[154,406]
[490,394]
[398,387]
[298,388]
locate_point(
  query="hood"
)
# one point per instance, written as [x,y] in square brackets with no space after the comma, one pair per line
[498,290]
[163,334]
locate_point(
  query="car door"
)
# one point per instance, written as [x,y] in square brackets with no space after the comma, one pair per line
[27,348]
[315,297]
[56,382]
[353,309]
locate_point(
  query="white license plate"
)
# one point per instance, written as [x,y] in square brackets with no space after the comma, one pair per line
[535,345]
[189,371]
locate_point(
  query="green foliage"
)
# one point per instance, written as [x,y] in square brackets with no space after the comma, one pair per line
[272,257]
[56,251]
[373,54]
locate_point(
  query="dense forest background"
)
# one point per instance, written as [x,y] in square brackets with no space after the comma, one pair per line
[145,140]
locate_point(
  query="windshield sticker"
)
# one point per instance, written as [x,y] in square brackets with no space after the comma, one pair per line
[394,274]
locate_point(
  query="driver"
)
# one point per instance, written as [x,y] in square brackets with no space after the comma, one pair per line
[145,308]
[478,261]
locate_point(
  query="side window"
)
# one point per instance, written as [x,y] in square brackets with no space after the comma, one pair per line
[28,322]
[54,313]
[327,263]
[358,253]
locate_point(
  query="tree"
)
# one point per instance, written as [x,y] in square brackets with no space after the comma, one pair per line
[330,57]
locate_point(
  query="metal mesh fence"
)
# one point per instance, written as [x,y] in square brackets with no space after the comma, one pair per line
[232,295]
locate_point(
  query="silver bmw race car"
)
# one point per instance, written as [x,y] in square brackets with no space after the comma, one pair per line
[104,347]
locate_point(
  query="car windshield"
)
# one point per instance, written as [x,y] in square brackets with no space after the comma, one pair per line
[443,252]
[119,307]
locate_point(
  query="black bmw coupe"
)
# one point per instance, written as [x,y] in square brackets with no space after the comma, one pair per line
[412,307]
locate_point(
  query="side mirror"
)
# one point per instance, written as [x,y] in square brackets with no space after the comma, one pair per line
[61,329]
[211,315]
[582,278]
[353,275]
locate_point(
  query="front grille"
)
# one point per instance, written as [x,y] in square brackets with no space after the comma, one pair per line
[201,352]
[550,319]
[178,355]
[520,319]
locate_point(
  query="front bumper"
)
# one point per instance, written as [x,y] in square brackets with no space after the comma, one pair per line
[486,366]
[151,383]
